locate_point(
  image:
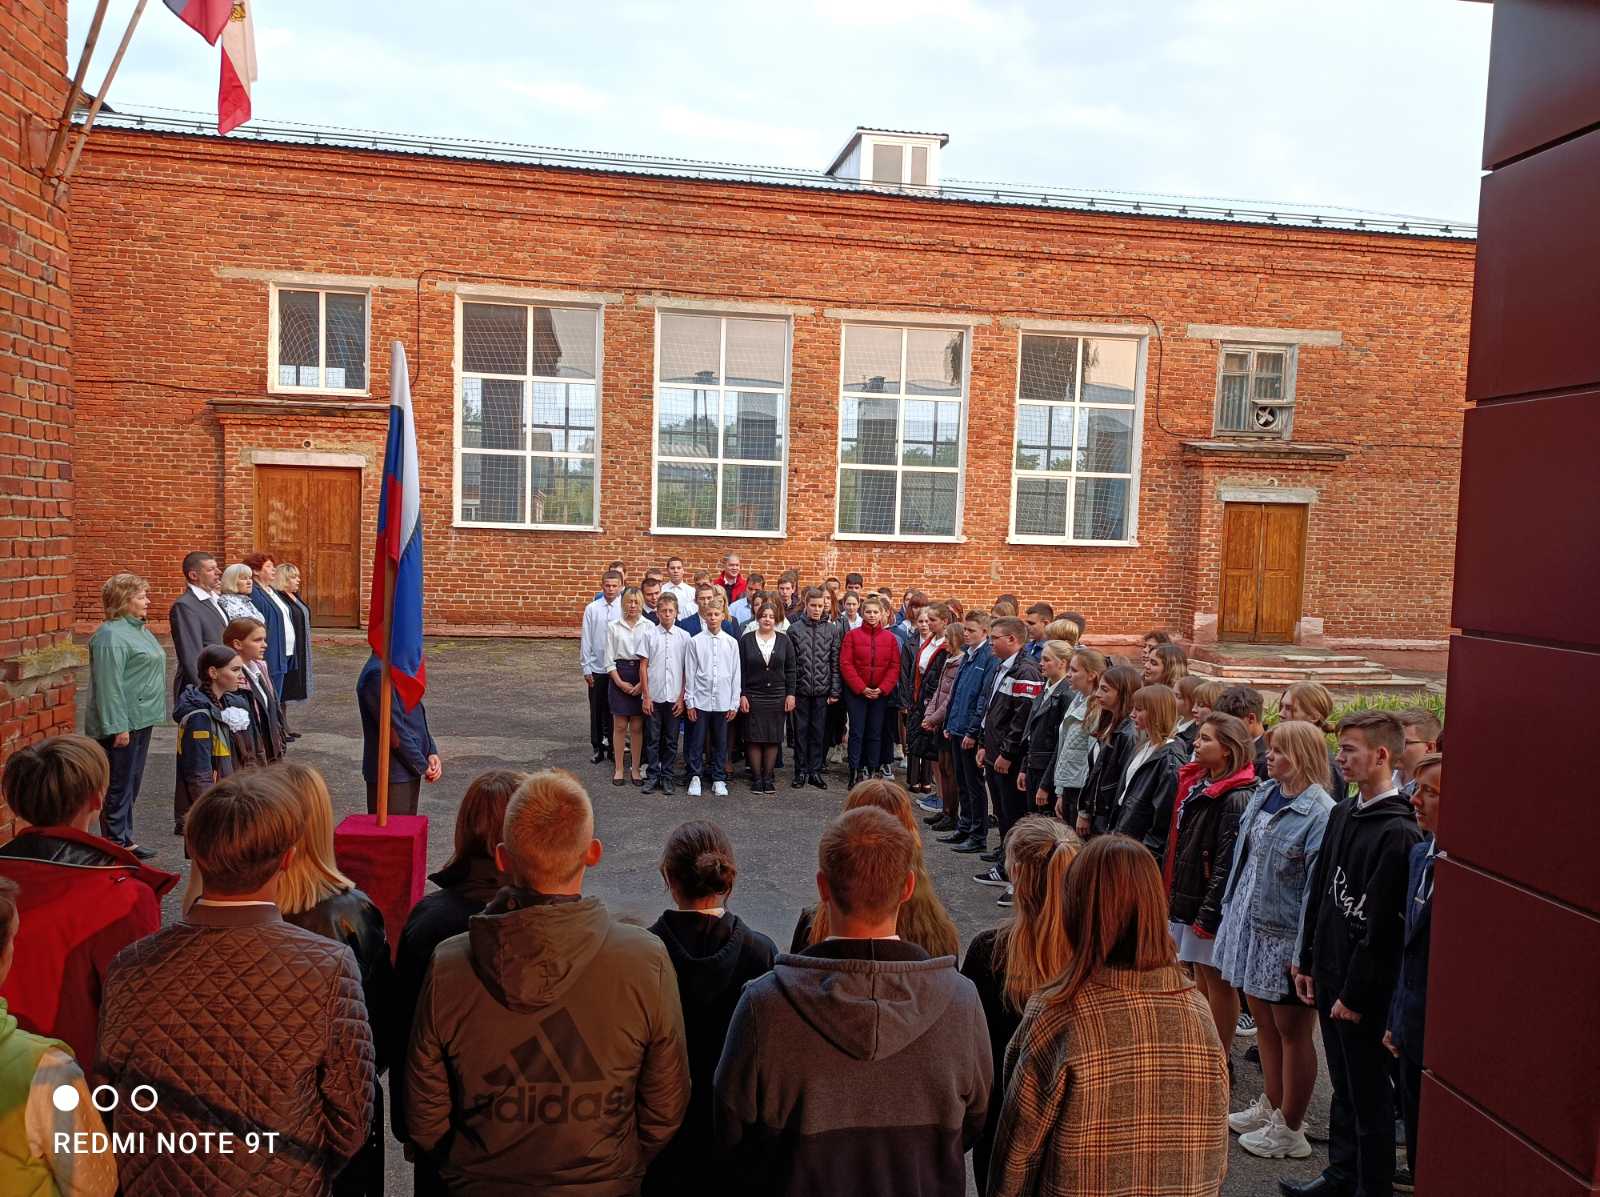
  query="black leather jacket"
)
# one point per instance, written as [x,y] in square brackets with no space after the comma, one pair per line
[1203,857]
[1098,798]
[1146,812]
[354,920]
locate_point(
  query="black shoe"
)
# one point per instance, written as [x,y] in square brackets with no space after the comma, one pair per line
[971,847]
[994,857]
[1404,1182]
[665,785]
[799,782]
[1317,1186]
[1007,899]
[995,876]
[817,781]
[651,786]
[142,853]
[943,824]
[1252,1055]
[936,817]
[955,837]
[177,830]
[600,754]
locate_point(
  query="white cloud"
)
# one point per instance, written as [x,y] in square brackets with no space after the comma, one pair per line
[555,93]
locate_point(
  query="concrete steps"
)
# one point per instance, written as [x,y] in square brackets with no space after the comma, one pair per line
[1273,670]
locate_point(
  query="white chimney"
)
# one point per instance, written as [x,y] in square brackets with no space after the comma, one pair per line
[890,158]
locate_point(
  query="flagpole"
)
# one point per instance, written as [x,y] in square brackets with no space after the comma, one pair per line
[385,692]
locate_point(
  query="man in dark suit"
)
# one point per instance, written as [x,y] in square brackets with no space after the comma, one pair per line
[413,756]
[1404,1036]
[196,619]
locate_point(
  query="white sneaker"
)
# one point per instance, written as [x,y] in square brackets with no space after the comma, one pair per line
[1253,1117]
[694,787]
[1246,1024]
[720,789]
[1276,1141]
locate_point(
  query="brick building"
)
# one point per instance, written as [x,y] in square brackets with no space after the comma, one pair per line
[36,483]
[1228,423]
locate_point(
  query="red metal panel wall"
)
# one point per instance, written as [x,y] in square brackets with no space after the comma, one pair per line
[1513,1051]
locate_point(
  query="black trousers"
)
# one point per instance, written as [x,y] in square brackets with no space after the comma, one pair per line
[866,731]
[973,817]
[127,771]
[1361,1126]
[1003,798]
[600,713]
[1408,1088]
[402,796]
[810,729]
[661,740]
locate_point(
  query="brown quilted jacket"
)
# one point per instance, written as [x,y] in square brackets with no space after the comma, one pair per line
[242,1023]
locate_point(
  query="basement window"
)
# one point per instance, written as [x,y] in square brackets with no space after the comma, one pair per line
[1255,391]
[317,341]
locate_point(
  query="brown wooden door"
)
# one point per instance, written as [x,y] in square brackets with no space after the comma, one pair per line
[311,515]
[1263,567]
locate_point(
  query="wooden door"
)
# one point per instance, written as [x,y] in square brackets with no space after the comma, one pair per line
[311,515]
[1263,568]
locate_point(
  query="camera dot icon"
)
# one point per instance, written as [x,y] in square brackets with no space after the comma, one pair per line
[64,1098]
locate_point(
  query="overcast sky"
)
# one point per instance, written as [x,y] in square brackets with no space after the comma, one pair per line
[1372,104]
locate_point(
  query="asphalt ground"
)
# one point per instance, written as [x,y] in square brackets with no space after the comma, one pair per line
[522,704]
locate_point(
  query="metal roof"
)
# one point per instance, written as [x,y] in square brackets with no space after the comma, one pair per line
[1243,212]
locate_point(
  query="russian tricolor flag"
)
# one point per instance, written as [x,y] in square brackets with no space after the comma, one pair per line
[399,546]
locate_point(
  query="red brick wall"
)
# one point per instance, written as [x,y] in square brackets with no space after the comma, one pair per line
[36,403]
[163,330]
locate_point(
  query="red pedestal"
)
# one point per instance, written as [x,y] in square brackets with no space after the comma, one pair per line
[389,863]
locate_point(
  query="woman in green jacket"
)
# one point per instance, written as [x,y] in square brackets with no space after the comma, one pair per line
[127,680]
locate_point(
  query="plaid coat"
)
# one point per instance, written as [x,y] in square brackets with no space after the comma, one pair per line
[1122,1092]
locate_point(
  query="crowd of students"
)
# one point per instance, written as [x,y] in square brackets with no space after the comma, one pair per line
[1165,857]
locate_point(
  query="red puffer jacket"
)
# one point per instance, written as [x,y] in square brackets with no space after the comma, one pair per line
[870,658]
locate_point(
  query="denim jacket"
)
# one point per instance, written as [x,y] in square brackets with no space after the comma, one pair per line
[1282,870]
[971,695]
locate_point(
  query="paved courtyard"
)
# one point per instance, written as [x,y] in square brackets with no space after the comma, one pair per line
[522,704]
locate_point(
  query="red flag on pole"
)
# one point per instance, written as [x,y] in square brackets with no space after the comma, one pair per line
[205,17]
[238,68]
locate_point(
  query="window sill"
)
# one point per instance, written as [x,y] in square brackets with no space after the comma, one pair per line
[316,392]
[892,539]
[1066,542]
[477,524]
[728,533]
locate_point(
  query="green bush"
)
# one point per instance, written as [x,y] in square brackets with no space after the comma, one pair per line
[1372,702]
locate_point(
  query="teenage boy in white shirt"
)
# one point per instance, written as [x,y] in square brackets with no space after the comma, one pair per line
[663,653]
[711,698]
[597,616]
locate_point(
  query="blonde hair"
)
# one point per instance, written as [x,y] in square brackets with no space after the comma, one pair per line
[232,576]
[1095,663]
[313,875]
[1206,695]
[118,591]
[1160,707]
[1312,702]
[549,826]
[1306,748]
[1061,629]
[923,919]
[287,570]
[1058,650]
[1032,946]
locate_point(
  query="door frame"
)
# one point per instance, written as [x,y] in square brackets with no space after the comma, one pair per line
[1263,497]
[317,459]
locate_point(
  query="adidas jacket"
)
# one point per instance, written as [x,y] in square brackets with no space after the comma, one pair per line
[547,1054]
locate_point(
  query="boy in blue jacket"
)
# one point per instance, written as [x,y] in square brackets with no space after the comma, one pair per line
[963,726]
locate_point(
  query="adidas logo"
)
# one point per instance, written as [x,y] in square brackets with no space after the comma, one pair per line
[552,1078]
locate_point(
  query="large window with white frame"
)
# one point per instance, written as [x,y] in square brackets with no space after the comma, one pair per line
[721,422]
[318,340]
[528,415]
[1255,391]
[902,408]
[1075,476]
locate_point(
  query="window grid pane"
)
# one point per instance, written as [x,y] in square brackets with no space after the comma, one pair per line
[734,411]
[916,440]
[537,431]
[1252,387]
[1075,425]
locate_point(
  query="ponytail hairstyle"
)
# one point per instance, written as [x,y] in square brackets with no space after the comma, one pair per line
[697,862]
[1032,947]
[212,657]
[1124,681]
[1312,703]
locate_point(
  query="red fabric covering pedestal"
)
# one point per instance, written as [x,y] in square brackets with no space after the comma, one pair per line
[389,863]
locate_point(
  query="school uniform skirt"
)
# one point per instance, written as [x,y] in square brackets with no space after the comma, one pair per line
[766,720]
[626,704]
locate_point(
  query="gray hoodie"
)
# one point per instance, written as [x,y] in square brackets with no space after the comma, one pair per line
[859,1066]
[547,1054]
